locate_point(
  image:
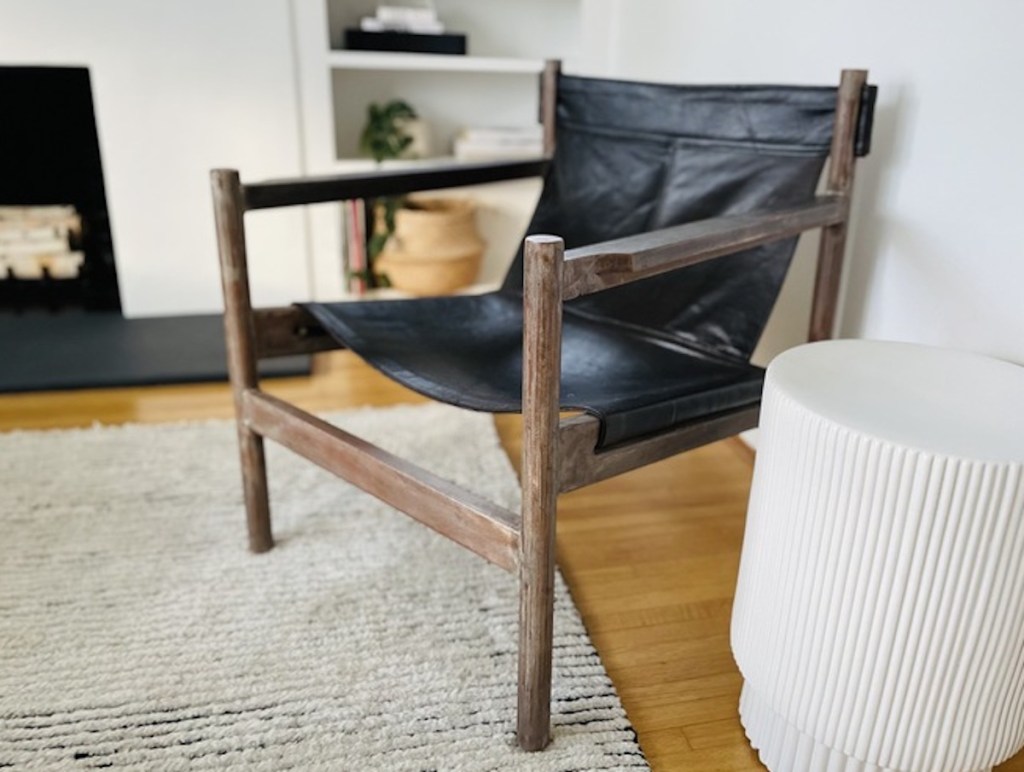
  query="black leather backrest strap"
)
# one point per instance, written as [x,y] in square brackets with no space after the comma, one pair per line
[865,121]
[633,157]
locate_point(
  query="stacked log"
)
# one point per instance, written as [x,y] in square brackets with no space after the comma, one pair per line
[40,241]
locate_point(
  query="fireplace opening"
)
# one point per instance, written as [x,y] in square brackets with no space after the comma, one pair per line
[61,325]
[56,251]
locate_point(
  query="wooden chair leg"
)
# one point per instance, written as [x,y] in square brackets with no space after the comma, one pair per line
[536,620]
[542,343]
[254,488]
[241,348]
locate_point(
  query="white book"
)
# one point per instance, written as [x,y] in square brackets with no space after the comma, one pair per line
[371,24]
[504,133]
[406,15]
[468,151]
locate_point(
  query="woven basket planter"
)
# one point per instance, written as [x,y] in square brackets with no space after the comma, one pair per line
[435,248]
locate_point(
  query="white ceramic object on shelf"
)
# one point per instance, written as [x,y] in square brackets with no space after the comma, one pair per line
[879,616]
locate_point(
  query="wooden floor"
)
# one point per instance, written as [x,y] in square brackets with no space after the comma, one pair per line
[651,556]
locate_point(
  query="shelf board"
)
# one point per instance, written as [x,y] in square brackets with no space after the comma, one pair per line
[386,60]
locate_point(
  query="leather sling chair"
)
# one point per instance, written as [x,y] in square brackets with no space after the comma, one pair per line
[680,208]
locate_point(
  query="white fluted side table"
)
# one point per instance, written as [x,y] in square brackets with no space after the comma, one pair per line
[879,616]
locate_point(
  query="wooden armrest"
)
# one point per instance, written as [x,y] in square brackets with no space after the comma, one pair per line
[318,190]
[600,266]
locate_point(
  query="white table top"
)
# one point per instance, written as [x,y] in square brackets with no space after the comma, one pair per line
[936,400]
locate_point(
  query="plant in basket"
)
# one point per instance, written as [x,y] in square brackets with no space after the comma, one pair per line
[420,245]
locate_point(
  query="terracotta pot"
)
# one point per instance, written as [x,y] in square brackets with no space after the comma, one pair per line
[435,249]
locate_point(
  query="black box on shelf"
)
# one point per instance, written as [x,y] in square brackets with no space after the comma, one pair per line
[408,42]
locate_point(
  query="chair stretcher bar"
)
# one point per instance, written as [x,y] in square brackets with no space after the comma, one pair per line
[491,531]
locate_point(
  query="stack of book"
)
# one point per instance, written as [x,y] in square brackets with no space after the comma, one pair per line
[38,241]
[404,28]
[400,18]
[499,143]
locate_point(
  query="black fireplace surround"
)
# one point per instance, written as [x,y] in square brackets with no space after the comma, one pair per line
[50,154]
[69,333]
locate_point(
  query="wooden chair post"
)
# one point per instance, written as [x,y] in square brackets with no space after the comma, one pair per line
[549,102]
[542,352]
[229,207]
[839,182]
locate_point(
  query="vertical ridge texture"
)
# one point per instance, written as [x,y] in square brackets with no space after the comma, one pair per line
[879,609]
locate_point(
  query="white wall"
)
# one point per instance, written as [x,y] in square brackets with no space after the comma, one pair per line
[938,249]
[179,88]
[936,254]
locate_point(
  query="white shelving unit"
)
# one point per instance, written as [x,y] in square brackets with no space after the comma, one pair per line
[381,60]
[495,84]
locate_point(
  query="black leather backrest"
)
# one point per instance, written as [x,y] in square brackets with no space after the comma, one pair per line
[632,157]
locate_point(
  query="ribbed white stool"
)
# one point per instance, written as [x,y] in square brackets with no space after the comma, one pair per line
[879,617]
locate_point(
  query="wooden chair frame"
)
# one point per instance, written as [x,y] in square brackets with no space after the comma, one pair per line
[558,454]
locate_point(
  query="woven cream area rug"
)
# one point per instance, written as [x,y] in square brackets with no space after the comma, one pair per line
[136,631]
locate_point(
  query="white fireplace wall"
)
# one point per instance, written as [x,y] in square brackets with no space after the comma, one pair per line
[180,88]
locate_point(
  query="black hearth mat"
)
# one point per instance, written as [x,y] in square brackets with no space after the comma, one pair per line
[40,351]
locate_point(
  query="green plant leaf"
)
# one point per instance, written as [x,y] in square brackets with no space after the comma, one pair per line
[376,245]
[384,136]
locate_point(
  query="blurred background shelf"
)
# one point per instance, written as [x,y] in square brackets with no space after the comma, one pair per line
[382,60]
[495,84]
